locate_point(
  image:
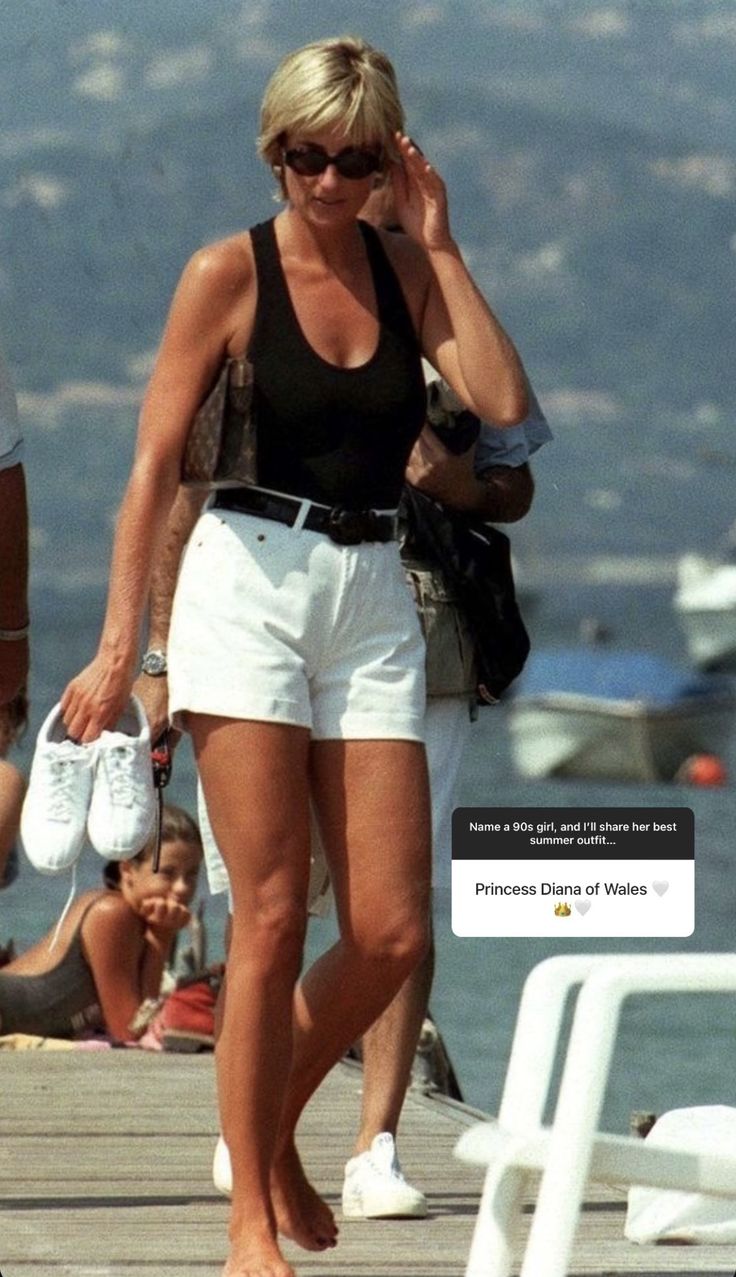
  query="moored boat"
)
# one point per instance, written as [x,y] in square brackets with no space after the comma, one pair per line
[598,713]
[705,603]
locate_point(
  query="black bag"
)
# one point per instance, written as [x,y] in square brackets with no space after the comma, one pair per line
[475,559]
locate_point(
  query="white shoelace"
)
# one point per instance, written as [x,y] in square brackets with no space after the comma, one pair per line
[66,908]
[63,778]
[118,766]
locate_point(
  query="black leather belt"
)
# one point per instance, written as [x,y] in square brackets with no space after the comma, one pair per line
[346,527]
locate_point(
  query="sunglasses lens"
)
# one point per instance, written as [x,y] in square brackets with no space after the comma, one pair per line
[354,164]
[306,162]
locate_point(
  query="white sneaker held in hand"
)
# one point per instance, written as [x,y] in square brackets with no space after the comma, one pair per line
[123,807]
[54,816]
[375,1187]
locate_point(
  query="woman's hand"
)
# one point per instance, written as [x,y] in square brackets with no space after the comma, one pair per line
[164,913]
[94,700]
[420,197]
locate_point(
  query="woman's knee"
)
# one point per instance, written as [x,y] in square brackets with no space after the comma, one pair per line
[397,941]
[269,932]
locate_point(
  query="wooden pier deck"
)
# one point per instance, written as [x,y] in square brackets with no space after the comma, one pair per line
[105,1172]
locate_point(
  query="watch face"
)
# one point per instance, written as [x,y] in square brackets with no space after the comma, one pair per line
[154,663]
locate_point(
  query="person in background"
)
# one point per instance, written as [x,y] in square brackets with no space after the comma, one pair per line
[295,655]
[13,722]
[14,648]
[374,1185]
[488,477]
[114,943]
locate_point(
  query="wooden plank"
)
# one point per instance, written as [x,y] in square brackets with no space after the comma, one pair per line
[105,1162]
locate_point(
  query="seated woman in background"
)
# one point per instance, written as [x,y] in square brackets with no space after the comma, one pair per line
[113,945]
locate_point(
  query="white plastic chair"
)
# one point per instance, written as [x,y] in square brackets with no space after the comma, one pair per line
[572,1152]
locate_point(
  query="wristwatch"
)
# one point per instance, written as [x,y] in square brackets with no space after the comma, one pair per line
[154,663]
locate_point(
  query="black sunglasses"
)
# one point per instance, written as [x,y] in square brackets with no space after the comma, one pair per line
[353,162]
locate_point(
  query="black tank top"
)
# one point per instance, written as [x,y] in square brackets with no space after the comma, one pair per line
[340,436]
[59,1003]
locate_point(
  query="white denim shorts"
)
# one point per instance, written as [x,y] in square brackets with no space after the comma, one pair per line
[285,626]
[447,727]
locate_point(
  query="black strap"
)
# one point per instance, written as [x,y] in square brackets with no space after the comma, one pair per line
[161,762]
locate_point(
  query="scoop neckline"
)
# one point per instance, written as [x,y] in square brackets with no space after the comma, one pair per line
[338,368]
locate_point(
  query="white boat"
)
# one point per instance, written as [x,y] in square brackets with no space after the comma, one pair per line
[705,603]
[597,713]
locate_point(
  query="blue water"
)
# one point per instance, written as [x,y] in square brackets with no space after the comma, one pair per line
[672,1050]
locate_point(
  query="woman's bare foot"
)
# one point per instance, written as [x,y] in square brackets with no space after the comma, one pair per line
[301,1213]
[258,1255]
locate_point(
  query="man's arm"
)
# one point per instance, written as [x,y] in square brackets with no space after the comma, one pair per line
[508,493]
[500,494]
[154,692]
[14,651]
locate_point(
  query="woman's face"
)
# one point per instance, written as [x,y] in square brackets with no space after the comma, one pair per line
[329,197]
[176,877]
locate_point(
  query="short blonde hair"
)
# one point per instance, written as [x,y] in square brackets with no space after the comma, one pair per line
[338,81]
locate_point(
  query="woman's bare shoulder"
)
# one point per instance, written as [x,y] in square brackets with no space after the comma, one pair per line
[217,291]
[111,927]
[106,909]
[225,266]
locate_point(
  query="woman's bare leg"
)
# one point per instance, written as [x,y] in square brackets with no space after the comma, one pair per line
[373,806]
[255,778]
